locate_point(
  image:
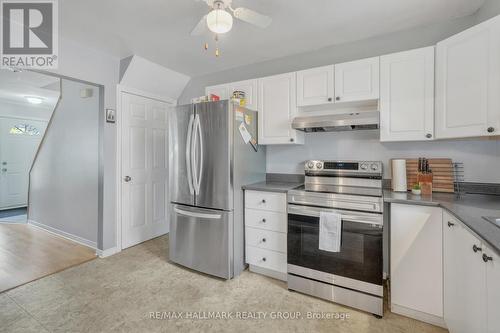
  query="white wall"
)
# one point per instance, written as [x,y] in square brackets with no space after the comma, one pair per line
[82,63]
[65,175]
[481,158]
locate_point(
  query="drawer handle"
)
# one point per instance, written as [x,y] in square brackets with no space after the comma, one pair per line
[263,220]
[450,224]
[475,248]
[264,259]
[263,201]
[486,258]
[263,240]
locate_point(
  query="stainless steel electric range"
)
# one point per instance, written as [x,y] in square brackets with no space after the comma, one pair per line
[353,276]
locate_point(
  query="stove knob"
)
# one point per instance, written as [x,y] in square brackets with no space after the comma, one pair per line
[374,167]
[364,166]
[319,165]
[310,165]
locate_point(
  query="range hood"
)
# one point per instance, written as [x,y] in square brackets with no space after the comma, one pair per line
[338,122]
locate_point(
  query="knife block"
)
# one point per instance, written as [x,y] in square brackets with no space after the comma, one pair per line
[425,181]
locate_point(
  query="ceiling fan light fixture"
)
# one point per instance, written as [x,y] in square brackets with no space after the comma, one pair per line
[219,21]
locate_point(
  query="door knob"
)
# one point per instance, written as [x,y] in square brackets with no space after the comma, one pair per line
[127,179]
[491,129]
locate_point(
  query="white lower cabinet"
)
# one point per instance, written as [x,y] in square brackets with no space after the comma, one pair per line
[266,233]
[441,272]
[416,262]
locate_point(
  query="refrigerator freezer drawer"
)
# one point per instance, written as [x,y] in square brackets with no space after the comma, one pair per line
[201,239]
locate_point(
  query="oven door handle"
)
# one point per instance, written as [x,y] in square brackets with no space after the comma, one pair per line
[346,216]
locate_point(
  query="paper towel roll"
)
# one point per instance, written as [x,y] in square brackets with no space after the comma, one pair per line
[399,176]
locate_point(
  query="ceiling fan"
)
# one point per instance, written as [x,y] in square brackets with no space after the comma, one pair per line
[219,20]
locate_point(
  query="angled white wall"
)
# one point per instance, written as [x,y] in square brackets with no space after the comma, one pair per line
[65,176]
[147,76]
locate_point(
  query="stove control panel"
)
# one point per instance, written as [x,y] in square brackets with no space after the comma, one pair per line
[332,167]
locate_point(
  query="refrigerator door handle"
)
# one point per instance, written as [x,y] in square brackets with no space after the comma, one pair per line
[198,215]
[194,150]
[189,154]
[200,141]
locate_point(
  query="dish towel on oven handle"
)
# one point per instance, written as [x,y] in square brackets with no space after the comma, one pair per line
[330,231]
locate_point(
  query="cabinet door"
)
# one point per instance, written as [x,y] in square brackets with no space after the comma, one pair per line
[416,259]
[468,82]
[493,291]
[277,107]
[407,96]
[250,89]
[221,90]
[464,279]
[315,86]
[357,80]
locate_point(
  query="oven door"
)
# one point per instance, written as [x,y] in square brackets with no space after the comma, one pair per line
[360,256]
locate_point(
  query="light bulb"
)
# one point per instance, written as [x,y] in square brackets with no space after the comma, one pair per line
[219,21]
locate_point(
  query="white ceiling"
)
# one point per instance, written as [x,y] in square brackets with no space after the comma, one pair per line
[158,30]
[16,86]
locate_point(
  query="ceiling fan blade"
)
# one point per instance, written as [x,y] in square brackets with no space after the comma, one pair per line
[252,17]
[201,27]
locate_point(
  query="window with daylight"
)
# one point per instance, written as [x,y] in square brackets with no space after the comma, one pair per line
[24,129]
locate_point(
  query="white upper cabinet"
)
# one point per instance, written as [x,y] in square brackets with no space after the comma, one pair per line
[277,107]
[315,86]
[357,80]
[407,96]
[221,90]
[468,82]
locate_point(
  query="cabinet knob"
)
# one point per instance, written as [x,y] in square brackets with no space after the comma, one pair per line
[450,224]
[4,163]
[263,220]
[263,240]
[475,248]
[329,99]
[428,135]
[263,201]
[487,258]
[292,139]
[337,98]
[264,259]
[491,129]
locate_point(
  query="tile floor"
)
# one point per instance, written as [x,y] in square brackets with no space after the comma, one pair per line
[117,294]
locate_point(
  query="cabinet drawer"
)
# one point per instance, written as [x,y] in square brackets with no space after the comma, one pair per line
[266,259]
[270,201]
[262,219]
[265,239]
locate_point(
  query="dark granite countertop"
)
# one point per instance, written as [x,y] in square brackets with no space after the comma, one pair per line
[282,187]
[468,208]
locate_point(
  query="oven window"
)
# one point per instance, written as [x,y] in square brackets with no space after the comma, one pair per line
[360,255]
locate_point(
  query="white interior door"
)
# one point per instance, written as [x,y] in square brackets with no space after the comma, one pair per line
[144,172]
[19,141]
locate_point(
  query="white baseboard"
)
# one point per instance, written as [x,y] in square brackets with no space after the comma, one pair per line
[64,234]
[418,315]
[107,252]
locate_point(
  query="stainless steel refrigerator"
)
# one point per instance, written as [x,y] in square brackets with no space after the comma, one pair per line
[213,152]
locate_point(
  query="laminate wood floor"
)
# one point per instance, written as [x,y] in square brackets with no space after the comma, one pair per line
[28,253]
